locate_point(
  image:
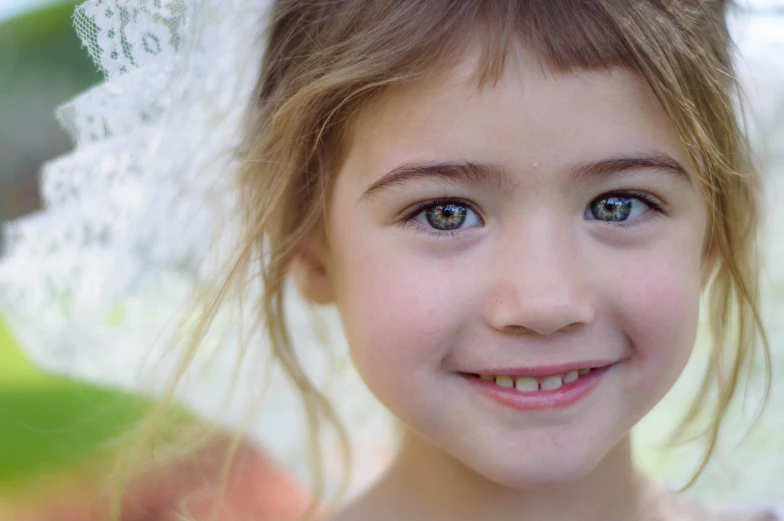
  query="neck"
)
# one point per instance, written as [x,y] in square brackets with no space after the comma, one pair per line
[426,483]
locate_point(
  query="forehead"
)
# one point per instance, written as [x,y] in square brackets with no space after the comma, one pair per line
[532,115]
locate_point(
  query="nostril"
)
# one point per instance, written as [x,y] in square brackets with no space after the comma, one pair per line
[520,331]
[570,327]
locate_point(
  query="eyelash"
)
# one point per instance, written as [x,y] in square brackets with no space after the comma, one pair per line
[410,217]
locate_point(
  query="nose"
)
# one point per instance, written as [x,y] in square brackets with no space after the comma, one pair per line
[540,285]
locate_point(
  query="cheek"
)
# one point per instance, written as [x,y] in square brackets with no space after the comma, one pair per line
[659,308]
[401,311]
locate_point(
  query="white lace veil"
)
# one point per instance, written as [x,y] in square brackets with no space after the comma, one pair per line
[121,220]
[141,213]
[89,283]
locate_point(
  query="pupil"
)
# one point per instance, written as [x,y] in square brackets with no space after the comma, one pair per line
[446,216]
[613,209]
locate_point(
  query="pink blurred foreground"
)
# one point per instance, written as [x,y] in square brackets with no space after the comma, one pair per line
[257,490]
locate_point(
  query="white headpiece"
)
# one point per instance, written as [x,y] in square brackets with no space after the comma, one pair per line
[92,283]
[129,210]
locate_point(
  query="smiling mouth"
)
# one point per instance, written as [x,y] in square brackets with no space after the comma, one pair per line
[539,388]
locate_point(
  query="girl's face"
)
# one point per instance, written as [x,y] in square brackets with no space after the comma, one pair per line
[531,231]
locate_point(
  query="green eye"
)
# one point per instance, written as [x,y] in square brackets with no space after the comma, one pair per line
[448,216]
[616,208]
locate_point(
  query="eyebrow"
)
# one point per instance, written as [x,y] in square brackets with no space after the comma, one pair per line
[598,170]
[467,172]
[498,178]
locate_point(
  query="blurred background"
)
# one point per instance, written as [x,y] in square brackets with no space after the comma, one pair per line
[42,65]
[49,423]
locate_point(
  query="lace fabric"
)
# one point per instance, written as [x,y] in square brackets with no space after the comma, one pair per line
[120,218]
[140,216]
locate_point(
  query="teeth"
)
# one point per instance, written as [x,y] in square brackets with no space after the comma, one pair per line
[504,381]
[529,384]
[570,377]
[552,383]
[526,384]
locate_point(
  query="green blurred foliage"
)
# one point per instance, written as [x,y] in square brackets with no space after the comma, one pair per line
[49,421]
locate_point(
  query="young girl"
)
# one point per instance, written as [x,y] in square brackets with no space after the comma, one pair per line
[516,207]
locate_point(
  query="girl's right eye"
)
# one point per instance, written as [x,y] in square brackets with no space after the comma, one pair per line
[448,216]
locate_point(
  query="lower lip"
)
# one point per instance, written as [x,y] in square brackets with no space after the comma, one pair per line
[564,396]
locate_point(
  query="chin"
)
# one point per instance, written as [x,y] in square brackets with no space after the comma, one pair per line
[535,475]
[537,466]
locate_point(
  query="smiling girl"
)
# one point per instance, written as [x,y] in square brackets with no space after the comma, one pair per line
[518,263]
[517,208]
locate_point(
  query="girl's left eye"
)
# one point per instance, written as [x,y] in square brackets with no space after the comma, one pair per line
[448,216]
[618,208]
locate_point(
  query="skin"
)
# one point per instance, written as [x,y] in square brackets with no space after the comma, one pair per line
[532,279]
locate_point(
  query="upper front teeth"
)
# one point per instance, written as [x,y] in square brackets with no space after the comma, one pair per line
[526,384]
[551,383]
[504,381]
[529,384]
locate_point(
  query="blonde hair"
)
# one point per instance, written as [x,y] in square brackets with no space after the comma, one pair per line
[326,60]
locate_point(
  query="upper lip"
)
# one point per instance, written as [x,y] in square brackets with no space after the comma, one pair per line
[544,370]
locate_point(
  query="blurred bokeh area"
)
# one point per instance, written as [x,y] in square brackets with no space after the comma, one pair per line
[60,428]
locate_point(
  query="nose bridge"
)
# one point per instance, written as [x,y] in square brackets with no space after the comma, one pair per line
[541,287]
